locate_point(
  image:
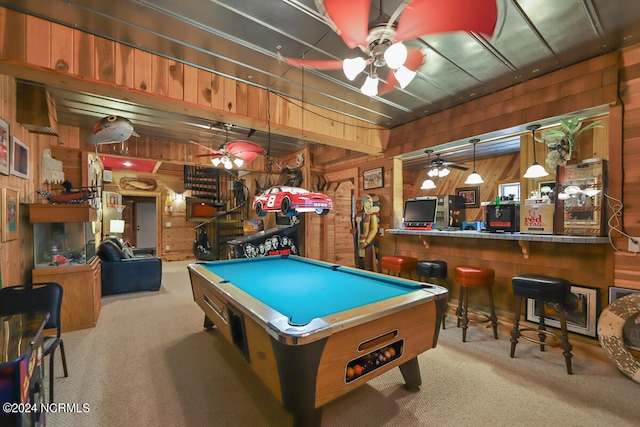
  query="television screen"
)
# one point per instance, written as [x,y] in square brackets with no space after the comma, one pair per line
[420,212]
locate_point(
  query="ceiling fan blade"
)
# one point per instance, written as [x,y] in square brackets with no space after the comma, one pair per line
[415,58]
[422,17]
[215,152]
[318,64]
[351,19]
[456,166]
[239,146]
[389,84]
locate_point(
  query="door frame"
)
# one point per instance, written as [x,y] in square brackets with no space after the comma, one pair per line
[158,200]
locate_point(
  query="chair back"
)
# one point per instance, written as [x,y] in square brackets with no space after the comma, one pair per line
[33,297]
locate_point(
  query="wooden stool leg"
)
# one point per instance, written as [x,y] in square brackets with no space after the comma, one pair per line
[542,327]
[493,318]
[459,308]
[565,345]
[465,313]
[515,332]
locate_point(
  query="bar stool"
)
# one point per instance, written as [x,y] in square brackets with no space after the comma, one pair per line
[433,270]
[398,264]
[544,290]
[474,277]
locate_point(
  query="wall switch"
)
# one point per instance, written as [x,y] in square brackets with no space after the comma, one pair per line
[634,247]
[380,231]
[166,248]
[168,224]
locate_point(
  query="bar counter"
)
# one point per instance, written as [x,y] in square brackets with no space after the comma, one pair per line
[583,260]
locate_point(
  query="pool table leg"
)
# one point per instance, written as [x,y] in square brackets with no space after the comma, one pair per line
[411,373]
[208,324]
[308,419]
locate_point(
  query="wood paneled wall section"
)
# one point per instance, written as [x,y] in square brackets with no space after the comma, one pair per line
[52,54]
[627,267]
[588,84]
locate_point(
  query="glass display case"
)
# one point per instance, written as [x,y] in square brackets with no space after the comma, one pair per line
[62,243]
[62,235]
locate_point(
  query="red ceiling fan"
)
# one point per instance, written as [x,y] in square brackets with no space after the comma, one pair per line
[381,40]
[238,152]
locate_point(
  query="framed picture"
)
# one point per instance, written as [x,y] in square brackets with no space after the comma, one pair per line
[19,159]
[373,178]
[10,205]
[582,312]
[631,328]
[470,195]
[4,147]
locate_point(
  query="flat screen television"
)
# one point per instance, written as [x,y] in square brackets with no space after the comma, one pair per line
[420,212]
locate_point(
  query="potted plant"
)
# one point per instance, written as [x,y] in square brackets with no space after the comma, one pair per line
[561,141]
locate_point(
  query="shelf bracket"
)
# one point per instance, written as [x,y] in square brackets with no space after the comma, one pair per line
[525,247]
[425,242]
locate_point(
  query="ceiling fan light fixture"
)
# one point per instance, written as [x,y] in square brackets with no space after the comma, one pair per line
[443,172]
[238,162]
[395,55]
[428,184]
[215,161]
[353,66]
[404,76]
[370,86]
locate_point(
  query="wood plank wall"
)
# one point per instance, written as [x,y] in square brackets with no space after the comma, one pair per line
[58,56]
[627,267]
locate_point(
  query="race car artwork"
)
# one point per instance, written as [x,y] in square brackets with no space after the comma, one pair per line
[291,200]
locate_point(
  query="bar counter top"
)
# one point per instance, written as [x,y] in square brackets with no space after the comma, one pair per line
[472,234]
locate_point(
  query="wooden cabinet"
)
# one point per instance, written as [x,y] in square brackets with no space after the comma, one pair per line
[81,301]
[64,250]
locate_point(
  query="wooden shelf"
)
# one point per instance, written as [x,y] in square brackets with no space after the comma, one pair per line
[62,213]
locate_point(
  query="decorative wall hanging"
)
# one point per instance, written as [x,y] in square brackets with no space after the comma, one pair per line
[10,214]
[19,159]
[4,147]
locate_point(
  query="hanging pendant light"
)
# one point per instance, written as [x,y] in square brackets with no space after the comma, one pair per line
[428,183]
[536,170]
[474,177]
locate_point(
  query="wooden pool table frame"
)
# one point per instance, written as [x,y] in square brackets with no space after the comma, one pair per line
[304,366]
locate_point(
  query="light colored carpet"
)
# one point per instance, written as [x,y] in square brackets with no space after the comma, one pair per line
[149,362]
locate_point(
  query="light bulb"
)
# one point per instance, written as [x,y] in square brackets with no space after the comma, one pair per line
[443,172]
[353,66]
[370,86]
[404,76]
[395,55]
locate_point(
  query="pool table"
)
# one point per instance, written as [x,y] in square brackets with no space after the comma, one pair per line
[313,331]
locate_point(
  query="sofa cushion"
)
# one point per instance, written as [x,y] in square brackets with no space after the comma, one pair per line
[109,251]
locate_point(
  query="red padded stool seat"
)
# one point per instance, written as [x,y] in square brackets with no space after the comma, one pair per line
[399,264]
[474,277]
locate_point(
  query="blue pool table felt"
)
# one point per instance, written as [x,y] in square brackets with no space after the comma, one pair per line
[302,289]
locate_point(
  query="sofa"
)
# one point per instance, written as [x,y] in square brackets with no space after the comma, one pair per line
[123,271]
